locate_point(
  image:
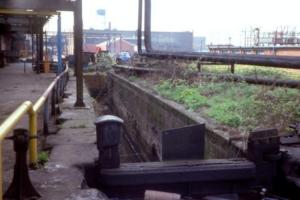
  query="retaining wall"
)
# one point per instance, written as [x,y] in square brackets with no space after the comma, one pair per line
[147,114]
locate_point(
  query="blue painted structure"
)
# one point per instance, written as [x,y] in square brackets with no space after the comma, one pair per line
[59,45]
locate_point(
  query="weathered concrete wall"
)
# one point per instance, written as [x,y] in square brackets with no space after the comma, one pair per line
[95,82]
[147,114]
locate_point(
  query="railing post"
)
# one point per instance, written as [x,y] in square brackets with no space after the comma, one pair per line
[33,139]
[67,75]
[57,91]
[1,176]
[46,117]
[53,101]
[61,88]
[65,82]
[57,100]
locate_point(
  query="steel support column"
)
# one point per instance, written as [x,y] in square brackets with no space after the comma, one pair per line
[32,48]
[147,28]
[78,53]
[139,31]
[37,55]
[41,47]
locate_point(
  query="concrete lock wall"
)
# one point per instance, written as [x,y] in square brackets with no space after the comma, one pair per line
[95,83]
[146,115]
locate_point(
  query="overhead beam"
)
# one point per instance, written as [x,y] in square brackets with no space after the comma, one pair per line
[23,24]
[54,5]
[27,12]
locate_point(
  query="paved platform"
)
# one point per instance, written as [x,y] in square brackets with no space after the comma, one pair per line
[17,86]
[73,147]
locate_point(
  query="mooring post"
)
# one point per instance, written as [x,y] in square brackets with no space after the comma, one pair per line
[21,186]
[109,131]
[264,151]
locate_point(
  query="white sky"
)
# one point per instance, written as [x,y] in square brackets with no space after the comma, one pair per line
[216,19]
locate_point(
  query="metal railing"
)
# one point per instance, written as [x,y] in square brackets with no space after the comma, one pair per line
[57,88]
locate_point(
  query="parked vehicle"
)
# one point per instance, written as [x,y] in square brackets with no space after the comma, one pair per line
[123,57]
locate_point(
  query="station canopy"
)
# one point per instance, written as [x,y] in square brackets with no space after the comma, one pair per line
[28,16]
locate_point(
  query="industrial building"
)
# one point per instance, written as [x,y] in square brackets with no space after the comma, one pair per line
[169,41]
[281,42]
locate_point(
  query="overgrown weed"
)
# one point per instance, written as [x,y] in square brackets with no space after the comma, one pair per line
[237,105]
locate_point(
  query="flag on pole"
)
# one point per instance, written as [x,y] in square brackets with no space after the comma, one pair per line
[101,12]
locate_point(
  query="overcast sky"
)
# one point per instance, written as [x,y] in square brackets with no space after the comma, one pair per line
[217,20]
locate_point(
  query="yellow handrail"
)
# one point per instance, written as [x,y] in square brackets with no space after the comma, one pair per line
[7,126]
[33,122]
[10,123]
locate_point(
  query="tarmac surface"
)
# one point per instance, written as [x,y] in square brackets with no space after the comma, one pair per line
[16,86]
[73,148]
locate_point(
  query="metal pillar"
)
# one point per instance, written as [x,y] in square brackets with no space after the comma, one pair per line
[46,44]
[147,28]
[78,53]
[139,31]
[37,53]
[58,43]
[41,47]
[32,41]
[232,68]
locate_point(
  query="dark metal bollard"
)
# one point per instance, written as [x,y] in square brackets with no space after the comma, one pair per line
[21,186]
[109,131]
[264,151]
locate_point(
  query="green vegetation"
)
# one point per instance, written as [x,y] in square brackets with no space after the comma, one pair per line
[247,70]
[43,157]
[183,93]
[237,105]
[132,78]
